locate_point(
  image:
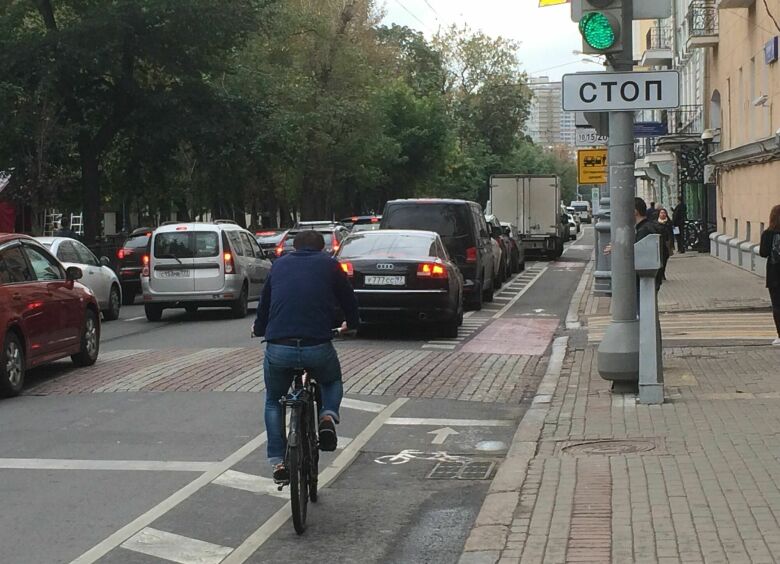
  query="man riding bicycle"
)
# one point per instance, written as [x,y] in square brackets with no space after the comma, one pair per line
[296,316]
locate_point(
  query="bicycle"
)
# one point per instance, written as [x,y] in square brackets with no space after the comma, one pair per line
[408,455]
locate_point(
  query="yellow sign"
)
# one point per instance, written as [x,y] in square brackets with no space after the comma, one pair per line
[592,166]
[543,3]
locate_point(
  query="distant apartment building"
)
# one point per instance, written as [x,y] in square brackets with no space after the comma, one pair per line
[548,125]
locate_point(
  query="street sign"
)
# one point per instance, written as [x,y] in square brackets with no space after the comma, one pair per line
[643,10]
[649,129]
[621,91]
[592,166]
[588,137]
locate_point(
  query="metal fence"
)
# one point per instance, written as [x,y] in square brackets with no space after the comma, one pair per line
[659,37]
[702,18]
[686,119]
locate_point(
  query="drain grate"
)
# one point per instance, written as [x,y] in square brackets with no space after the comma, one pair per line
[474,470]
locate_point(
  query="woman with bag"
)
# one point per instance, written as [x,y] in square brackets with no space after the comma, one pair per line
[666,231]
[770,250]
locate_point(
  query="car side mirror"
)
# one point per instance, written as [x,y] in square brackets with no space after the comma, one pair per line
[73,273]
[105,261]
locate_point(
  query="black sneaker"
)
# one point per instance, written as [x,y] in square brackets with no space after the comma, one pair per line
[281,474]
[328,439]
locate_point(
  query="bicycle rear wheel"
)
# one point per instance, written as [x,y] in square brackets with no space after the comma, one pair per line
[297,467]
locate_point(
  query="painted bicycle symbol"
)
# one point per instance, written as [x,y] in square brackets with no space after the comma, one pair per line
[406,455]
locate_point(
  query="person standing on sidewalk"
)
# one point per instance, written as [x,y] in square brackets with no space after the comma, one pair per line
[770,250]
[665,229]
[679,217]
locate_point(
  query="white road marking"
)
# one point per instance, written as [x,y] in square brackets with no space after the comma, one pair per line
[250,483]
[572,316]
[468,314]
[440,435]
[361,405]
[450,422]
[440,347]
[135,526]
[135,318]
[520,294]
[342,461]
[448,343]
[176,548]
[72,464]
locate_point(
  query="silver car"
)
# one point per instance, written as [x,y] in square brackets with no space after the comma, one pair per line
[192,265]
[98,276]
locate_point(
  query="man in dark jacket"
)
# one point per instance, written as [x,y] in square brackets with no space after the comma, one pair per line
[64,230]
[652,212]
[296,316]
[679,217]
[644,227]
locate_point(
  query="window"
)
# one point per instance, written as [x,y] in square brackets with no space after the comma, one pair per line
[255,247]
[235,242]
[137,241]
[747,231]
[66,252]
[247,240]
[13,266]
[736,228]
[376,244]
[193,244]
[85,255]
[44,266]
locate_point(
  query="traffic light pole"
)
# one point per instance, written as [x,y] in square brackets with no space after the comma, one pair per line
[618,354]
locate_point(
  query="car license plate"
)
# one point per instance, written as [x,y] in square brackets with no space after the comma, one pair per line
[385,280]
[174,273]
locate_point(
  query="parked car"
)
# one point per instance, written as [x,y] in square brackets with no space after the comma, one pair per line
[404,275]
[45,315]
[464,232]
[358,223]
[570,210]
[268,239]
[517,262]
[130,263]
[505,245]
[97,275]
[194,265]
[333,237]
[573,227]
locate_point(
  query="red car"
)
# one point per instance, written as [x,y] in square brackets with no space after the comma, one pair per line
[45,314]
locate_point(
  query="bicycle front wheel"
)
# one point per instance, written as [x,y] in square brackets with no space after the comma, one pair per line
[299,494]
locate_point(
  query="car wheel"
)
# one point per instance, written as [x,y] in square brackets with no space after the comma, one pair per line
[114,303]
[90,341]
[191,308]
[128,296]
[153,312]
[522,266]
[12,366]
[240,307]
[450,330]
[487,295]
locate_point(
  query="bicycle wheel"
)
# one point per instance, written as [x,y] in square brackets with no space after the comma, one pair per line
[296,464]
[314,449]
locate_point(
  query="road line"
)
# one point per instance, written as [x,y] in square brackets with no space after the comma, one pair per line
[135,318]
[138,524]
[572,316]
[520,294]
[176,548]
[450,422]
[250,483]
[342,461]
[440,347]
[72,464]
[361,405]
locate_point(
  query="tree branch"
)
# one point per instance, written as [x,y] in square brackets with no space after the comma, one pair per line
[47,13]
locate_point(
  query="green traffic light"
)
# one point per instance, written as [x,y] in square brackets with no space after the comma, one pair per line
[597,30]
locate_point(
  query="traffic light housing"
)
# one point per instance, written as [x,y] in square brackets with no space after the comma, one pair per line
[601,26]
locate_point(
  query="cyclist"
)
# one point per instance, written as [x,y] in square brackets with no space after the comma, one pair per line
[296,315]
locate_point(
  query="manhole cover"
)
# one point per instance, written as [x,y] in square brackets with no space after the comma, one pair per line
[477,470]
[610,448]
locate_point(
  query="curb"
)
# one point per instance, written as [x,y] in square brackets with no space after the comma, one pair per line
[491,529]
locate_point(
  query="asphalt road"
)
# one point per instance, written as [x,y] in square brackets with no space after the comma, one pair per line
[156,454]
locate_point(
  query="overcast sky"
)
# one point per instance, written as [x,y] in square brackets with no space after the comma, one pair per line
[547,36]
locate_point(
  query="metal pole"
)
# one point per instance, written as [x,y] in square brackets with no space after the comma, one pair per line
[602,285]
[618,354]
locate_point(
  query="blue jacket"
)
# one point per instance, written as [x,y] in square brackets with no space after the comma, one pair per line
[300,298]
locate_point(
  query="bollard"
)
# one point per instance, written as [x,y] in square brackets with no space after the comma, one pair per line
[647,259]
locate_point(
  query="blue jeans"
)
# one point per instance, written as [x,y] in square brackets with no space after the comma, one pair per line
[321,362]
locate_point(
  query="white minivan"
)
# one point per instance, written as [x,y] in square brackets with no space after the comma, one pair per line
[192,265]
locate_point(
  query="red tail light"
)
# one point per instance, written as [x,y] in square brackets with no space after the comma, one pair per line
[336,247]
[229,266]
[374,220]
[145,271]
[431,270]
[471,254]
[279,249]
[120,254]
[348,269]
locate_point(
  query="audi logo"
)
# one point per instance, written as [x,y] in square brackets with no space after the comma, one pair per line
[385,266]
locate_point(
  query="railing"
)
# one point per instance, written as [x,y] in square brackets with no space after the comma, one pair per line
[703,18]
[659,37]
[686,119]
[645,146]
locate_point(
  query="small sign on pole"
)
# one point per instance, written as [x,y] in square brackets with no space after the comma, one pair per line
[592,166]
[589,137]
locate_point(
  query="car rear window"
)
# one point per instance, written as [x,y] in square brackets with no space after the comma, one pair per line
[288,242]
[448,220]
[388,245]
[192,244]
[581,207]
[137,242]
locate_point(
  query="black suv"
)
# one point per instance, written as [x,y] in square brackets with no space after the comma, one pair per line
[464,231]
[130,263]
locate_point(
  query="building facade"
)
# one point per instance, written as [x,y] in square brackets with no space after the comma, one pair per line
[548,125]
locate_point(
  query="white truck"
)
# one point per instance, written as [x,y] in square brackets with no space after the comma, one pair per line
[532,203]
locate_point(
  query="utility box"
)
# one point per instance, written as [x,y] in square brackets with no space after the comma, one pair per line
[647,255]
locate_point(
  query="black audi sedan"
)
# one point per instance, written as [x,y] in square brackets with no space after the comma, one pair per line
[404,275]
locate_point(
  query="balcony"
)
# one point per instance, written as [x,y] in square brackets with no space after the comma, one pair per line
[702,22]
[658,47]
[686,119]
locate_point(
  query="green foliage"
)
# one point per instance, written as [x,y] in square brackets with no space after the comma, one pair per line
[272,107]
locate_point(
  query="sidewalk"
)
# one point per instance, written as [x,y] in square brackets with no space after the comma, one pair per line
[592,477]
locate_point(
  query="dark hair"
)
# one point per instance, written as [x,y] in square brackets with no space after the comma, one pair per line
[652,204]
[663,210]
[774,218]
[309,240]
[640,206]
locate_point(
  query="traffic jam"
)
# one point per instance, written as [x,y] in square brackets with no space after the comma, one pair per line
[423,263]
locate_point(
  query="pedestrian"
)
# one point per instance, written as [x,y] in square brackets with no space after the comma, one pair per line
[665,229]
[64,230]
[679,217]
[770,250]
[652,213]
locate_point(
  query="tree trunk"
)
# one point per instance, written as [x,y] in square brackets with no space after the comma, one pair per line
[90,178]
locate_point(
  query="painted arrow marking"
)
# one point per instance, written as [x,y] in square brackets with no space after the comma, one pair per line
[440,435]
